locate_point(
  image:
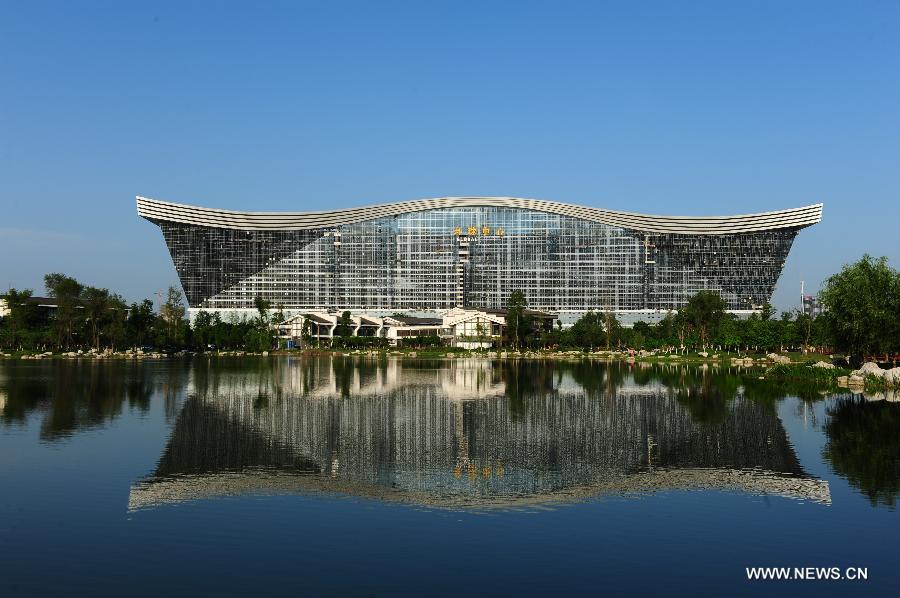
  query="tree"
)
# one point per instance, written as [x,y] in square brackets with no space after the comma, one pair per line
[704,313]
[344,326]
[728,335]
[611,328]
[22,327]
[172,314]
[67,292]
[803,329]
[862,302]
[307,330]
[587,332]
[202,330]
[116,321]
[96,305]
[140,323]
[518,324]
[261,335]
[262,308]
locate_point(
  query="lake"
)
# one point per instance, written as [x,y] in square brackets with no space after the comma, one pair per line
[392,476]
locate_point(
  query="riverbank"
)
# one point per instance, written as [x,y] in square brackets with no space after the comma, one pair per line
[781,368]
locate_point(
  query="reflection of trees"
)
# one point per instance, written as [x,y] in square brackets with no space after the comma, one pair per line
[704,407]
[864,446]
[599,377]
[707,396]
[81,395]
[526,379]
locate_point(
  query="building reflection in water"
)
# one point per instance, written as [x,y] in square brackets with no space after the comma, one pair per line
[469,433]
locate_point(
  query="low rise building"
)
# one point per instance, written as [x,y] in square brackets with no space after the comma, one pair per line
[468,328]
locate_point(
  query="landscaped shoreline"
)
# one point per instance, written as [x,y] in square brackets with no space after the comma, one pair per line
[810,368]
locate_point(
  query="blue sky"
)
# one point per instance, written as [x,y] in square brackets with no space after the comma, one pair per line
[669,107]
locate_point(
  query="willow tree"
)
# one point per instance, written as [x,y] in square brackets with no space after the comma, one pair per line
[862,303]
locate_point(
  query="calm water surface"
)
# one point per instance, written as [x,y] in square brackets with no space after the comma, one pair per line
[336,476]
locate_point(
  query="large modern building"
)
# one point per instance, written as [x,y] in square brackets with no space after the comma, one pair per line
[430,255]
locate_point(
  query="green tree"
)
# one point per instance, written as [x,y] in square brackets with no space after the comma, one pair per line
[518,324]
[611,328]
[262,308]
[67,292]
[729,333]
[115,324]
[704,313]
[23,327]
[862,302]
[172,315]
[140,323]
[344,326]
[203,330]
[803,329]
[587,332]
[96,307]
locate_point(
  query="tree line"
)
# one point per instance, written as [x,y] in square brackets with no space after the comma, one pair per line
[86,317]
[861,304]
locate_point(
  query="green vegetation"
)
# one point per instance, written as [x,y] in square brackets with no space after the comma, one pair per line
[87,318]
[863,307]
[519,326]
[863,445]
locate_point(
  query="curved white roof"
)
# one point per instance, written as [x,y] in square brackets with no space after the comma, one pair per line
[157,210]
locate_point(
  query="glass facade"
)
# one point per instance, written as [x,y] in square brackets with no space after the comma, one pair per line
[436,259]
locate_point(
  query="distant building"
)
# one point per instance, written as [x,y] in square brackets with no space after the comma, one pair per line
[427,256]
[811,306]
[458,327]
[48,304]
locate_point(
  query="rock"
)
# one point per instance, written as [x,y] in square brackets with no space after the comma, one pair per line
[778,358]
[870,369]
[703,354]
[265,353]
[855,380]
[823,364]
[892,377]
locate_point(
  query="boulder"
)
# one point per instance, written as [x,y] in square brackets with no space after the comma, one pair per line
[778,358]
[823,364]
[891,377]
[870,369]
[703,354]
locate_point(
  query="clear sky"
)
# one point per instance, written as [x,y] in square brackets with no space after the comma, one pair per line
[685,108]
